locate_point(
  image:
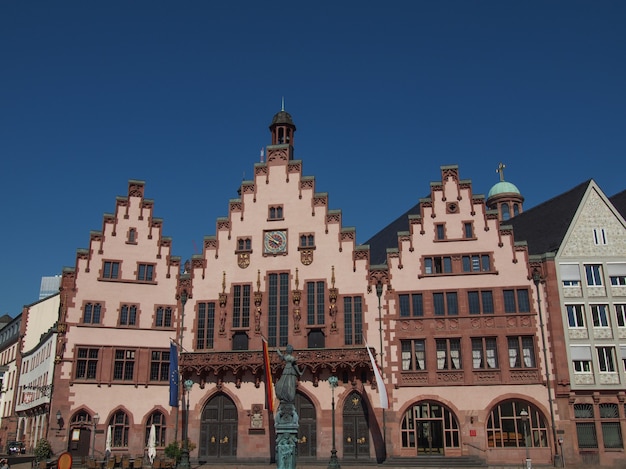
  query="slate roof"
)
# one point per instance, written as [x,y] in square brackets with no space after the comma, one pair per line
[619,202]
[388,236]
[543,227]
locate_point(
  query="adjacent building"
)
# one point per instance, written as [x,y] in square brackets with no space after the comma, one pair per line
[578,242]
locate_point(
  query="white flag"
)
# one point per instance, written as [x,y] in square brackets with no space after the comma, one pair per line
[382,390]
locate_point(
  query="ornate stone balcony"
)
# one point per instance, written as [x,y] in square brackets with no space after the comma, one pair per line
[351,360]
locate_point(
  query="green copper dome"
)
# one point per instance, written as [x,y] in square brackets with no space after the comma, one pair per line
[503,187]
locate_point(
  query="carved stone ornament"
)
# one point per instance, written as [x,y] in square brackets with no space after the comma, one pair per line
[243,259]
[306,256]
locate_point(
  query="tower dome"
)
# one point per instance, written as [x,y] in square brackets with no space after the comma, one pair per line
[505,197]
[282,128]
[503,187]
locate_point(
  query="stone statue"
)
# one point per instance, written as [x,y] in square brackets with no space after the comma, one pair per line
[286,386]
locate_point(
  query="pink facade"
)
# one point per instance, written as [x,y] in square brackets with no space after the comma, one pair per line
[454,308]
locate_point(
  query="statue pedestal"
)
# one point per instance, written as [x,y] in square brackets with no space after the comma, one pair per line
[287,425]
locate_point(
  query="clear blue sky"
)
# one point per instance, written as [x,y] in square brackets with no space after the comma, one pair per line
[180,95]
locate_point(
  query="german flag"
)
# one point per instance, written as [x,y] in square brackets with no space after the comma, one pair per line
[269,385]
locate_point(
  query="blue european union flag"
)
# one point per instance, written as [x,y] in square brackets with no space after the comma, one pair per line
[174,379]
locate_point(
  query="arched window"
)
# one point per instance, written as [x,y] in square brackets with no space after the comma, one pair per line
[430,427]
[516,424]
[158,420]
[515,210]
[81,417]
[506,212]
[120,426]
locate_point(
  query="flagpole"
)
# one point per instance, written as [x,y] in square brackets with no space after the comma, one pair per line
[379,294]
[183,302]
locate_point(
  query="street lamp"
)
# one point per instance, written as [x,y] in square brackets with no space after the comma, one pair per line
[334,462]
[524,415]
[183,297]
[95,420]
[184,454]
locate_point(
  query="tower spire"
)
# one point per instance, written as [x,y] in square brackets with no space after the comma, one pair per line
[282,104]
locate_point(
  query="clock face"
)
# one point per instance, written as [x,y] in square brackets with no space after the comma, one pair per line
[275,242]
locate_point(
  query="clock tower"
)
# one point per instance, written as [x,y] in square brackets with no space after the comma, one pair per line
[282,129]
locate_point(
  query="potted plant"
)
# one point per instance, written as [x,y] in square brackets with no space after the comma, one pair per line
[43,450]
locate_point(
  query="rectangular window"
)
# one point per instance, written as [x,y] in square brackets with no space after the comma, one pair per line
[576,315]
[476,263]
[480,302]
[315,302]
[617,273]
[278,310]
[570,275]
[91,313]
[159,365]
[86,363]
[509,301]
[484,353]
[599,237]
[413,355]
[446,303]
[521,352]
[124,365]
[128,315]
[600,315]
[111,269]
[353,320]
[448,354]
[594,275]
[438,265]
[275,212]
[610,425]
[307,240]
[606,359]
[206,326]
[468,230]
[585,426]
[241,305]
[581,358]
[620,314]
[441,232]
[244,244]
[411,305]
[145,272]
[516,301]
[163,316]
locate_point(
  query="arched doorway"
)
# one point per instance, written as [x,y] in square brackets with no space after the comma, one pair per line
[356,434]
[218,429]
[307,433]
[81,436]
[429,427]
